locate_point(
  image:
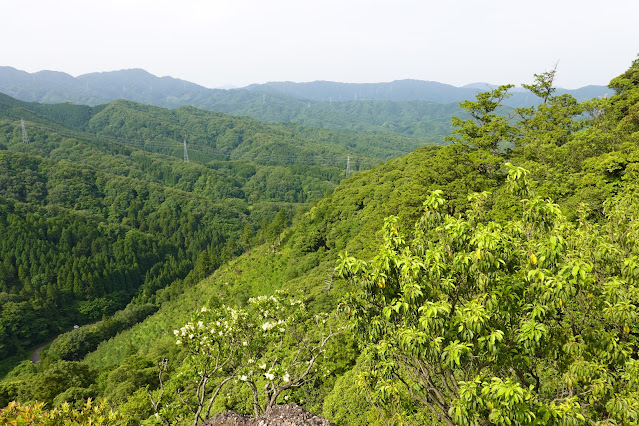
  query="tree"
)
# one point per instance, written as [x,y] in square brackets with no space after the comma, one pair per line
[529,321]
[277,226]
[543,86]
[246,238]
[272,346]
[486,129]
[553,121]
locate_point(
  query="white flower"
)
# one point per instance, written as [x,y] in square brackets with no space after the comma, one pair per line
[176,332]
[250,361]
[267,325]
[243,378]
[286,377]
[245,343]
[263,366]
[203,309]
[178,342]
[269,375]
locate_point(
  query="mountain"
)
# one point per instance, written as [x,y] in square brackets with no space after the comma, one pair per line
[432,232]
[214,135]
[102,206]
[95,88]
[456,284]
[493,234]
[409,90]
[409,107]
[417,119]
[400,90]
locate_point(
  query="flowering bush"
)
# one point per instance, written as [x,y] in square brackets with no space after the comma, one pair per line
[273,344]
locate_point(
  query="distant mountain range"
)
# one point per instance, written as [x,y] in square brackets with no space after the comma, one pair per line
[407,90]
[410,107]
[141,86]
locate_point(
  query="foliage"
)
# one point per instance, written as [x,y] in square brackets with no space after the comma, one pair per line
[274,344]
[75,344]
[35,414]
[89,223]
[522,322]
[485,130]
[348,403]
[515,308]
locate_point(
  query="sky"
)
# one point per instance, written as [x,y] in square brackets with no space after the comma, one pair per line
[224,43]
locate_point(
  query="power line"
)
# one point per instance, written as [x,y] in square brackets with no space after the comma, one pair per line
[25,137]
[262,158]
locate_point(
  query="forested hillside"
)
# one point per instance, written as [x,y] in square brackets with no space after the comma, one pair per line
[99,207]
[490,281]
[408,107]
[418,118]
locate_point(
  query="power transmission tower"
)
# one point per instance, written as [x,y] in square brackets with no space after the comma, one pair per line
[25,137]
[186,153]
[348,165]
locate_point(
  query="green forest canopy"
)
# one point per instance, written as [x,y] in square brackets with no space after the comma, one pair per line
[512,300]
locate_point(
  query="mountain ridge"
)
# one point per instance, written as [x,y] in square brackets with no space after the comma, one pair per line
[396,90]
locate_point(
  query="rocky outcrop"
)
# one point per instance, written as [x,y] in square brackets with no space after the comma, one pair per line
[279,415]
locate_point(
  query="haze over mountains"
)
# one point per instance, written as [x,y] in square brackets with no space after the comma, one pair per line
[410,107]
[140,86]
[407,90]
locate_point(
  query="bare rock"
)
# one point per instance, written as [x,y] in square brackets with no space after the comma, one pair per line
[279,415]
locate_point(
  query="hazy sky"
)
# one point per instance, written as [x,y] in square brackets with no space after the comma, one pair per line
[237,42]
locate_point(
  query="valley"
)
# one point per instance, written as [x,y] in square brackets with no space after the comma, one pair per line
[477,265]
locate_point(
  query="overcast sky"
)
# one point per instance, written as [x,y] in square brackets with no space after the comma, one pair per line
[219,43]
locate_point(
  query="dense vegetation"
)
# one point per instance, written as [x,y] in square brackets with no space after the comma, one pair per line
[408,107]
[92,220]
[417,118]
[491,281]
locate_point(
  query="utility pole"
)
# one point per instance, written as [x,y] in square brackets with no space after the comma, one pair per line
[25,137]
[348,165]
[186,153]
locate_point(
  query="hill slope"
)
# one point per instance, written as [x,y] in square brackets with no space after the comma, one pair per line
[99,206]
[410,107]
[140,86]
[553,285]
